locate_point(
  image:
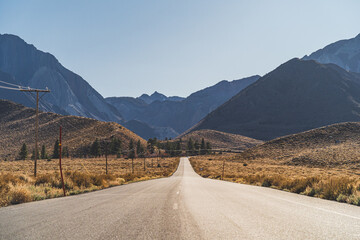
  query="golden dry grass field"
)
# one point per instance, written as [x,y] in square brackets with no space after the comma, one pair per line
[340,183]
[17,183]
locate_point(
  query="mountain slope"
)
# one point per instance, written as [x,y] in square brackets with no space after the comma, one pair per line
[297,96]
[70,93]
[344,53]
[221,140]
[181,115]
[17,126]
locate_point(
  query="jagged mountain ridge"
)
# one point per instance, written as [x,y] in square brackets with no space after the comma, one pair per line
[156,96]
[70,94]
[344,53]
[180,115]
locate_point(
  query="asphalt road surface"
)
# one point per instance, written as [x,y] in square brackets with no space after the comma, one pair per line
[184,206]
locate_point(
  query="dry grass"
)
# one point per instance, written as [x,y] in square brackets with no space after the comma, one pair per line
[340,183]
[17,184]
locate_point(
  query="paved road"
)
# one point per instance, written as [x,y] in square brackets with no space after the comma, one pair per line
[184,206]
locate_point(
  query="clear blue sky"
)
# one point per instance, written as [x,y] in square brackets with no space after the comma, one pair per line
[130,47]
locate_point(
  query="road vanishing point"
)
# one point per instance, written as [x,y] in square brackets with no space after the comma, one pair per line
[183,206]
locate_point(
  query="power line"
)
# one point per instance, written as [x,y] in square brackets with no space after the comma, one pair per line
[10,88]
[10,84]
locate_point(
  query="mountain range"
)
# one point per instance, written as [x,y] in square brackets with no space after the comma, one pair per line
[320,89]
[179,115]
[298,95]
[149,116]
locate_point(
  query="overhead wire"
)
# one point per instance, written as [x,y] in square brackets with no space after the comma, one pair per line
[11,84]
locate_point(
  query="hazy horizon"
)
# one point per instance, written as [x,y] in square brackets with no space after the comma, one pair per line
[127,48]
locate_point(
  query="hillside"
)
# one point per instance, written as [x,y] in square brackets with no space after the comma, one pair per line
[221,140]
[180,115]
[336,145]
[70,93]
[344,53]
[17,126]
[297,96]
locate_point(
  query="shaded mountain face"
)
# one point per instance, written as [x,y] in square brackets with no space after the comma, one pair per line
[297,96]
[70,94]
[344,53]
[17,127]
[180,115]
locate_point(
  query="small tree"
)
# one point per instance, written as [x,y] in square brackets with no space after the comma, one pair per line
[178,147]
[139,148]
[197,147]
[56,149]
[95,148]
[115,146]
[65,152]
[190,146]
[33,155]
[23,152]
[43,152]
[208,148]
[131,153]
[203,147]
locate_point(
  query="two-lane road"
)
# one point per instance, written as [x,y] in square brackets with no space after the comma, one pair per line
[184,206]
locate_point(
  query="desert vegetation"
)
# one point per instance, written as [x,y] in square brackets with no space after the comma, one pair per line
[340,183]
[18,185]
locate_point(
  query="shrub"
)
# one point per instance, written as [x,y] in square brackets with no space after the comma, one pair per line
[341,198]
[98,180]
[42,179]
[19,195]
[80,179]
[266,182]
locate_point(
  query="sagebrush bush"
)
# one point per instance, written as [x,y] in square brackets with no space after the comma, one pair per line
[43,179]
[80,179]
[19,195]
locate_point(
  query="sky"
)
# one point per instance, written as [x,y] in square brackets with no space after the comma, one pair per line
[131,47]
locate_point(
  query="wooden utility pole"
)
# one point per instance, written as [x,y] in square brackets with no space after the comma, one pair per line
[223,170]
[132,165]
[62,178]
[36,121]
[144,163]
[106,156]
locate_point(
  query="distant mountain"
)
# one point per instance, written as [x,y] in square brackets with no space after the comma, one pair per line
[179,115]
[221,140]
[158,97]
[70,94]
[17,127]
[297,96]
[344,53]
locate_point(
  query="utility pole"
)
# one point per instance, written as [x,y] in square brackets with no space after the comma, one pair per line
[62,178]
[144,163]
[223,170]
[132,165]
[106,156]
[36,121]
